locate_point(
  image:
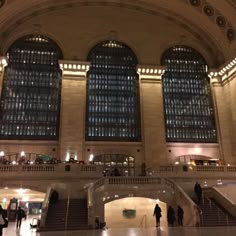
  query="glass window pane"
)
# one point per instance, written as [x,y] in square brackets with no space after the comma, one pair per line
[112,94]
[188,105]
[30,101]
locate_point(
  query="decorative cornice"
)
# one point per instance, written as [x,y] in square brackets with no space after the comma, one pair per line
[150,72]
[224,73]
[216,16]
[77,69]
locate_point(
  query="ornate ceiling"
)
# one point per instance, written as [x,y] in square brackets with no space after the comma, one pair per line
[211,21]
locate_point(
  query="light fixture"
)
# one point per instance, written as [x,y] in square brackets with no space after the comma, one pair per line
[91,157]
[22,154]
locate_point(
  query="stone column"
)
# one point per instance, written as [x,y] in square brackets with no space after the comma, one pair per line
[224,94]
[73,107]
[152,110]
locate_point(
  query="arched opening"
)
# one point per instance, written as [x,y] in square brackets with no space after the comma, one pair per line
[197,160]
[116,164]
[188,103]
[113,107]
[134,212]
[31,201]
[31,91]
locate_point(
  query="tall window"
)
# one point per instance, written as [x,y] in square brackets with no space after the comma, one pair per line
[113,111]
[189,113]
[30,101]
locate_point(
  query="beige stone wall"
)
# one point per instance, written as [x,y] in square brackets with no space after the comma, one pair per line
[72,117]
[153,123]
[77,29]
[229,118]
[224,105]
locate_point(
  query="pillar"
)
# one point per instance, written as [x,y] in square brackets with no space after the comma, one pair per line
[152,110]
[224,94]
[73,107]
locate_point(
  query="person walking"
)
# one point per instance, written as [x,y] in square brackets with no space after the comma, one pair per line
[171,216]
[157,214]
[198,192]
[3,220]
[180,215]
[20,214]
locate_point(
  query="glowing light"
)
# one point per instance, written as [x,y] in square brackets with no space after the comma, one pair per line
[91,157]
[67,156]
[22,154]
[20,191]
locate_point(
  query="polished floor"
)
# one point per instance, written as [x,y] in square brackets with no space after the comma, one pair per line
[163,231]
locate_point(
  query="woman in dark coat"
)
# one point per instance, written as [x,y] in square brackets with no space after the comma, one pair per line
[180,213]
[157,213]
[171,216]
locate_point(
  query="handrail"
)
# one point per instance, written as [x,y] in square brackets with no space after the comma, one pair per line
[67,211]
[219,211]
[196,211]
[222,199]
[144,218]
[45,206]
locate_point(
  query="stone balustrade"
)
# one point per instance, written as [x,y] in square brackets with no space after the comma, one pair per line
[44,171]
[75,169]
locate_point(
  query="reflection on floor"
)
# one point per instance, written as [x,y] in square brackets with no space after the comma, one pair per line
[163,231]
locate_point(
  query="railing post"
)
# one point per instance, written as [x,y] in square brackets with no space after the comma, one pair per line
[67,210]
[144,218]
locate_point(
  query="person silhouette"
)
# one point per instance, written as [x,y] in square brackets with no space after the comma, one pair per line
[157,214]
[171,216]
[180,215]
[198,192]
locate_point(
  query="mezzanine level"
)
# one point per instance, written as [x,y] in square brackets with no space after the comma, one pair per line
[75,170]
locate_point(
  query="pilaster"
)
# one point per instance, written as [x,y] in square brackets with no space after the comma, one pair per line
[73,107]
[153,125]
[223,83]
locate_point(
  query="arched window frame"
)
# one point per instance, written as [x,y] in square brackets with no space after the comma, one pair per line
[113,105]
[188,103]
[31,91]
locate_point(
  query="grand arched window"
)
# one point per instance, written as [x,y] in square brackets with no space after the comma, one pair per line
[189,112]
[113,109]
[30,100]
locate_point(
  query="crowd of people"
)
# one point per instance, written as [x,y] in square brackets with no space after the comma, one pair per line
[38,160]
[178,214]
[171,216]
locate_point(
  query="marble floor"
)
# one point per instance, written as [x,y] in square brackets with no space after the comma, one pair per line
[163,231]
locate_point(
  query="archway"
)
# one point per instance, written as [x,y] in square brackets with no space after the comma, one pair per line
[133,212]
